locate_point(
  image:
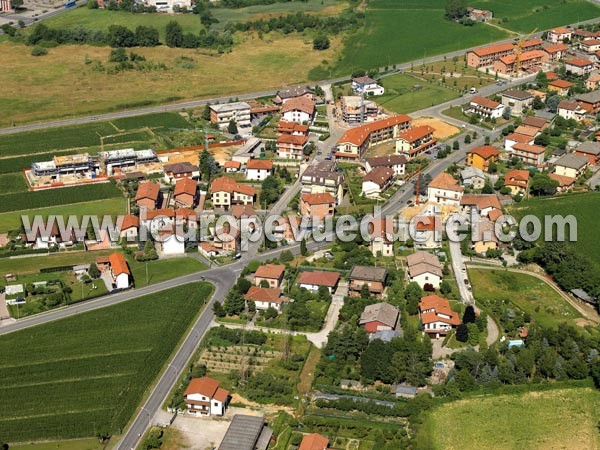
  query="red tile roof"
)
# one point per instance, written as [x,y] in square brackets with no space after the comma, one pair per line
[303,104]
[493,49]
[445,181]
[319,278]
[485,151]
[379,175]
[525,56]
[517,178]
[482,201]
[519,138]
[579,62]
[130,221]
[232,165]
[416,133]
[227,184]
[358,135]
[531,43]
[485,102]
[314,441]
[291,127]
[528,148]
[273,271]
[259,294]
[551,76]
[527,131]
[118,264]
[293,139]
[259,164]
[205,386]
[561,30]
[318,199]
[185,186]
[562,84]
[555,48]
[563,181]
[147,190]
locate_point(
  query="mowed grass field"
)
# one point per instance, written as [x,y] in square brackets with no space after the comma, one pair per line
[77,376]
[75,444]
[526,292]
[548,420]
[586,209]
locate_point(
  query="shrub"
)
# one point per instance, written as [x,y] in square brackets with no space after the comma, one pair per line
[38,51]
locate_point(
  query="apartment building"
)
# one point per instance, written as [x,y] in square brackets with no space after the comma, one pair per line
[222,114]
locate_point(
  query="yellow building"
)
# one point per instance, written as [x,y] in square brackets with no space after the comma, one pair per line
[481,157]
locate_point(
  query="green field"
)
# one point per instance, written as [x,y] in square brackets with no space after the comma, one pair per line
[109,207]
[552,419]
[75,444]
[78,379]
[583,206]
[402,95]
[21,201]
[526,292]
[162,270]
[11,183]
[86,135]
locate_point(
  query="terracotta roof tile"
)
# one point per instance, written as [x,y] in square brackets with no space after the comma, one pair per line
[485,151]
[259,164]
[118,264]
[416,133]
[318,199]
[319,278]
[358,135]
[273,271]
[185,186]
[260,294]
[445,181]
[148,190]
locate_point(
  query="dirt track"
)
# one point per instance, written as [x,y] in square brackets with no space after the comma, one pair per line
[442,129]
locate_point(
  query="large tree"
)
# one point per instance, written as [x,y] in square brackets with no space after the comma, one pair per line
[455,9]
[174,34]
[542,184]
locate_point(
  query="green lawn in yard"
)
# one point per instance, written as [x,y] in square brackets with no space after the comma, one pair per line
[33,264]
[405,94]
[586,209]
[77,379]
[552,419]
[76,444]
[456,113]
[162,270]
[526,292]
[110,207]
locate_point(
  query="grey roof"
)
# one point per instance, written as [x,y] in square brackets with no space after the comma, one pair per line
[590,97]
[294,92]
[364,80]
[517,94]
[380,312]
[582,295]
[353,383]
[592,148]
[386,335]
[405,389]
[387,161]
[572,161]
[470,172]
[235,106]
[368,273]
[265,437]
[243,432]
[545,114]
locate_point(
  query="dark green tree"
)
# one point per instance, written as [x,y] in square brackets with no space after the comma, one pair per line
[174,34]
[462,333]
[321,42]
[469,315]
[232,127]
[120,36]
[455,9]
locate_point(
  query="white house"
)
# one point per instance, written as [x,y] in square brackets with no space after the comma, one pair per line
[170,243]
[444,189]
[258,169]
[395,162]
[265,298]
[204,397]
[317,278]
[486,107]
[366,85]
[298,110]
[569,109]
[377,181]
[436,316]
[424,268]
[119,270]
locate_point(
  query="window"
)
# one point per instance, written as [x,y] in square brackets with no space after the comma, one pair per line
[216,404]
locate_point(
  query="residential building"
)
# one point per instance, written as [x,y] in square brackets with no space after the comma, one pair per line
[299,110]
[444,190]
[184,194]
[247,433]
[271,273]
[287,94]
[377,181]
[531,155]
[427,232]
[555,52]
[517,180]
[395,162]
[437,316]
[313,280]
[559,34]
[291,146]
[561,87]
[170,242]
[593,81]
[323,176]
[513,138]
[415,141]
[485,56]
[564,183]
[516,100]
[424,269]
[232,166]
[297,129]
[355,141]
[579,66]
[357,110]
[483,205]
[484,237]
[590,150]
[532,44]
[481,157]
[226,192]
[590,102]
[119,271]
[204,397]
[485,107]
[317,206]
[479,15]
[147,195]
[536,122]
[222,114]
[176,171]
[129,228]
[288,229]
[265,298]
[373,277]
[259,169]
[379,317]
[381,235]
[227,240]
[571,165]
[524,130]
[530,61]
[569,109]
[582,34]
[367,86]
[122,158]
[473,177]
[590,45]
[314,441]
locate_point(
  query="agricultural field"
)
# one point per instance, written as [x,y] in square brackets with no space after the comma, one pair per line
[21,201]
[551,419]
[524,292]
[583,206]
[78,379]
[162,270]
[75,444]
[12,182]
[11,221]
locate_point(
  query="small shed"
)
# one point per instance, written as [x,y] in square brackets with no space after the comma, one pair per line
[405,391]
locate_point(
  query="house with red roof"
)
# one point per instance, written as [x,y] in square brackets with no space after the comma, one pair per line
[530,61]
[512,138]
[377,181]
[119,271]
[517,181]
[128,228]
[561,87]
[299,110]
[291,146]
[379,317]
[445,190]
[232,166]
[296,129]
[265,298]
[147,195]
[485,107]
[381,235]
[437,316]
[415,141]
[271,273]
[204,397]
[579,66]
[481,157]
[317,206]
[226,191]
[259,169]
[313,280]
[554,52]
[531,155]
[570,109]
[559,34]
[185,193]
[314,441]
[485,56]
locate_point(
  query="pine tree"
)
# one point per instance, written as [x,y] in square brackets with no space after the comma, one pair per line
[462,333]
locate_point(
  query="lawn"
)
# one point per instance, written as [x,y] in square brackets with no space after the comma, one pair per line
[21,201]
[163,270]
[109,207]
[552,419]
[405,94]
[77,379]
[583,206]
[527,293]
[33,264]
